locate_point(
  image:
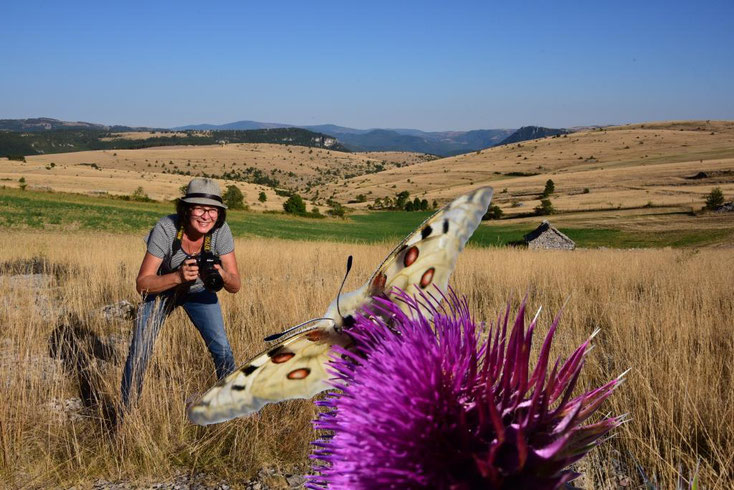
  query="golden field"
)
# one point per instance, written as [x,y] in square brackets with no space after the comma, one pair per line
[640,176]
[159,170]
[665,314]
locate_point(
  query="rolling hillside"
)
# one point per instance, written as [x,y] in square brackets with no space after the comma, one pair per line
[637,177]
[161,171]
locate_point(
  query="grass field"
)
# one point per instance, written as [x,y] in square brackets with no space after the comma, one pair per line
[665,310]
[60,211]
[639,185]
[666,314]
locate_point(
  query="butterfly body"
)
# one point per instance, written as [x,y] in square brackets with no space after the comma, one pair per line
[295,363]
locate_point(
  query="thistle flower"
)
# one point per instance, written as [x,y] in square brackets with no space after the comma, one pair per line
[447,403]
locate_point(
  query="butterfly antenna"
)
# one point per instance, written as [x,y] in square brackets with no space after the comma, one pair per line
[346,274]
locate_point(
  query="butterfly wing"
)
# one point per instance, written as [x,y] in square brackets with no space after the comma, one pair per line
[292,368]
[427,257]
[295,366]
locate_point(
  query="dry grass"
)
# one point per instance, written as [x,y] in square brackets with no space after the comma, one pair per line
[628,166]
[665,314]
[648,167]
[123,171]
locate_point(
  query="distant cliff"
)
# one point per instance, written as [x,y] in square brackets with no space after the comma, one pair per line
[531,133]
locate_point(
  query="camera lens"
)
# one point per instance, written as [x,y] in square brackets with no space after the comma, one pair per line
[213,281]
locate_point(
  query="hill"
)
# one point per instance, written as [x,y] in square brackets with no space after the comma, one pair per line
[637,178]
[50,124]
[161,171]
[643,175]
[442,143]
[37,142]
[531,133]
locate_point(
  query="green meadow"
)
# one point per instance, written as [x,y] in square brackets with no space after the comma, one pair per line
[71,212]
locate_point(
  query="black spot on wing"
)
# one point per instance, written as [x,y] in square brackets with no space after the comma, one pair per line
[426,232]
[238,387]
[445,226]
[275,351]
[248,370]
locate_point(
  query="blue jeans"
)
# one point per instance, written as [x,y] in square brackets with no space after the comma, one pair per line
[203,310]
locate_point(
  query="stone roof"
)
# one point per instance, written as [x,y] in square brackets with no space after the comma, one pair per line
[548,237]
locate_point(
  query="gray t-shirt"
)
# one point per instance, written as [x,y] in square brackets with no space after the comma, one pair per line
[160,244]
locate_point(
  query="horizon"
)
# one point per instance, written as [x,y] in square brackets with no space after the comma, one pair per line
[413,65]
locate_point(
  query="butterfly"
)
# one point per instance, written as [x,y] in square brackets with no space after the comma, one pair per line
[295,363]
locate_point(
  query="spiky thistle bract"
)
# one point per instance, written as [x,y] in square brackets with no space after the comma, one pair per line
[431,399]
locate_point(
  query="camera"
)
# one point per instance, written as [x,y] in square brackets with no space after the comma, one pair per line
[209,275]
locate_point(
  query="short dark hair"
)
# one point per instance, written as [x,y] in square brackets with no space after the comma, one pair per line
[183,210]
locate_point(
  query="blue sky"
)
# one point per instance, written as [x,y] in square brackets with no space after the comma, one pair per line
[425,65]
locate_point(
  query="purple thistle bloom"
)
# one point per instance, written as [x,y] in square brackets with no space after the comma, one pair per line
[441,404]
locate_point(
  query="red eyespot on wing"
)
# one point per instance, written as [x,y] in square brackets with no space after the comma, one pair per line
[299,373]
[315,335]
[427,278]
[283,357]
[378,283]
[410,256]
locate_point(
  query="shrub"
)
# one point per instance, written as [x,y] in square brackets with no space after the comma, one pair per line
[262,197]
[295,205]
[550,188]
[336,209]
[714,199]
[22,184]
[233,197]
[140,195]
[545,208]
[401,199]
[494,212]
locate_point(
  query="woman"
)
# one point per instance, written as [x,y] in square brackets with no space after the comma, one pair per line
[169,277]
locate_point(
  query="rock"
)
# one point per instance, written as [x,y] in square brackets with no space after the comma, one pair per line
[122,310]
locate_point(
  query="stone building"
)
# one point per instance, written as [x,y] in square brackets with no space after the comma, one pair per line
[546,236]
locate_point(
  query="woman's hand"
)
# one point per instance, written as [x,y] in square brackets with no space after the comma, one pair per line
[229,272]
[188,271]
[149,282]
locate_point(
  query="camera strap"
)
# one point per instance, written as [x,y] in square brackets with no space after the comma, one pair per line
[207,246]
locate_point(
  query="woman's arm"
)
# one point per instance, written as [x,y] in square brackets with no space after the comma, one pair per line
[229,272]
[150,282]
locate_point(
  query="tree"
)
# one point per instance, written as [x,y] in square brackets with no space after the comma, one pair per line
[262,197]
[545,207]
[494,212]
[550,188]
[714,199]
[424,204]
[22,184]
[401,199]
[336,209]
[233,197]
[295,205]
[139,195]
